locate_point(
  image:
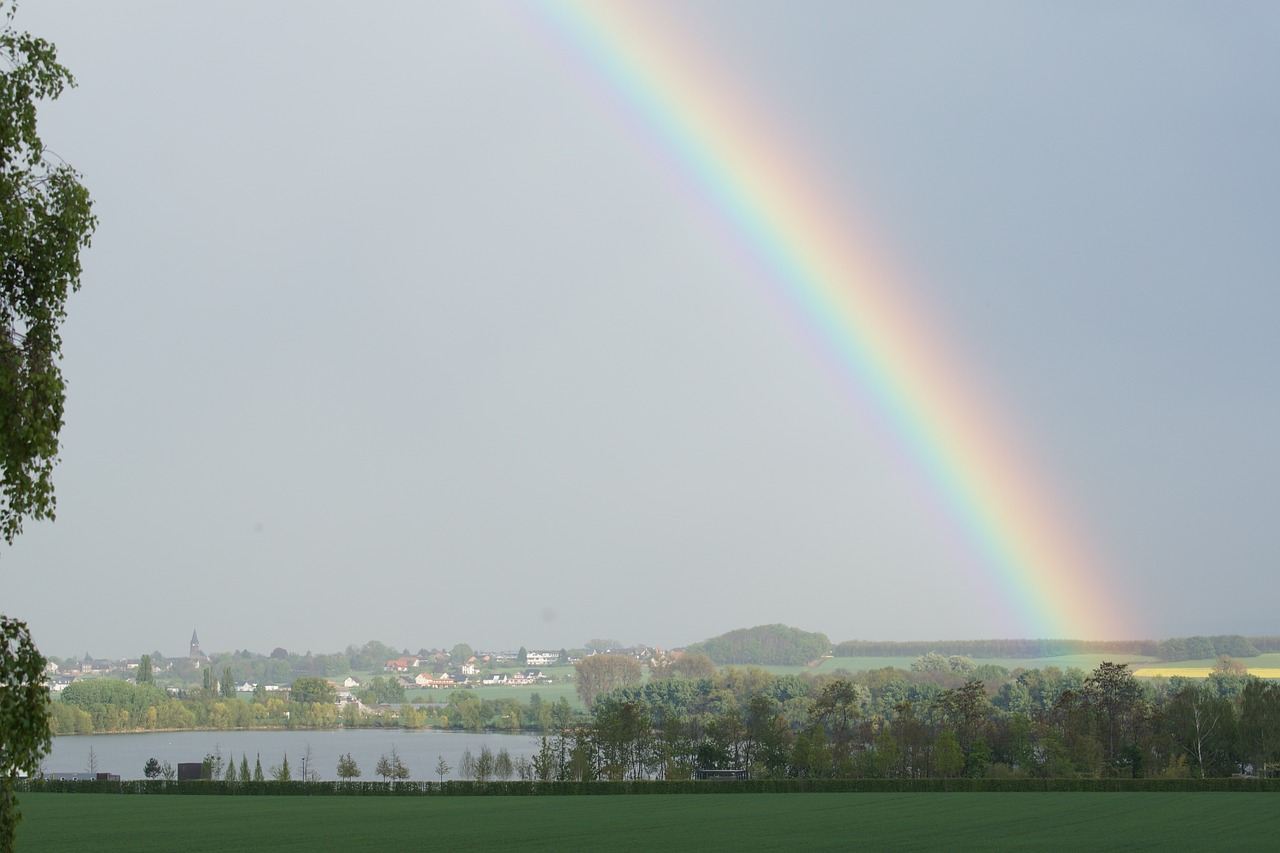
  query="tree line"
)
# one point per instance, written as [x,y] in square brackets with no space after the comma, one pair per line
[1043,723]
[1205,648]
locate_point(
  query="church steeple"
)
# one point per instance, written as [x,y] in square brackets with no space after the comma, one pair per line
[195,645]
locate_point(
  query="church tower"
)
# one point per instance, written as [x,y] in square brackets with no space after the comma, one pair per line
[196,654]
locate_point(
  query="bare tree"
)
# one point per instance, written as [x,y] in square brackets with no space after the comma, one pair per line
[598,674]
[310,773]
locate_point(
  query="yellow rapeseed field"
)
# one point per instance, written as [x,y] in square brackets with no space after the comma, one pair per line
[1198,672]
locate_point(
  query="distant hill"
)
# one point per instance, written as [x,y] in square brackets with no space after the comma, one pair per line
[765,645]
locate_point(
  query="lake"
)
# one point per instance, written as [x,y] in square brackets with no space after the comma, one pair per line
[419,750]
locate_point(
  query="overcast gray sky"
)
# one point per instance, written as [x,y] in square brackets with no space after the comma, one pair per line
[392,329]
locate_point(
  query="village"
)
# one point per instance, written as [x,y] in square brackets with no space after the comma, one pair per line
[367,677]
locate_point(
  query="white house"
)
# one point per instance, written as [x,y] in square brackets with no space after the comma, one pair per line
[427,679]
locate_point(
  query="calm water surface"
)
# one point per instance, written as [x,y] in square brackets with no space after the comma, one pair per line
[420,750]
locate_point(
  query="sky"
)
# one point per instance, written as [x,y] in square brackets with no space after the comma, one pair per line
[402,322]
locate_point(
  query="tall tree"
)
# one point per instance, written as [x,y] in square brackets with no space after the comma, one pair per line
[24,718]
[833,713]
[1203,726]
[144,671]
[484,764]
[347,768]
[622,733]
[399,771]
[212,765]
[968,709]
[45,220]
[467,766]
[1260,723]
[391,767]
[228,683]
[948,759]
[1115,695]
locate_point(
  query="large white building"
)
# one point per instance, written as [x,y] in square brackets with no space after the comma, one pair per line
[541,658]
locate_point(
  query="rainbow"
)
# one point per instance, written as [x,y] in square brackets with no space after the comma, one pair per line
[1047,580]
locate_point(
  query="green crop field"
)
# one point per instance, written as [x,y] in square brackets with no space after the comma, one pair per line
[522,692]
[1086,662]
[862,664]
[704,822]
[775,668]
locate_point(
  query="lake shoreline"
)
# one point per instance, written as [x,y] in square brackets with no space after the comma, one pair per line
[126,753]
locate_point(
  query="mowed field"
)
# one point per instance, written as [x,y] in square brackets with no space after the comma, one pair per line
[704,822]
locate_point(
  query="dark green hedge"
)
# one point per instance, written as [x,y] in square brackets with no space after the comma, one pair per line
[755,786]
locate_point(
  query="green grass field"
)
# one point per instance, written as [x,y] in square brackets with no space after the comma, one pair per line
[704,822]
